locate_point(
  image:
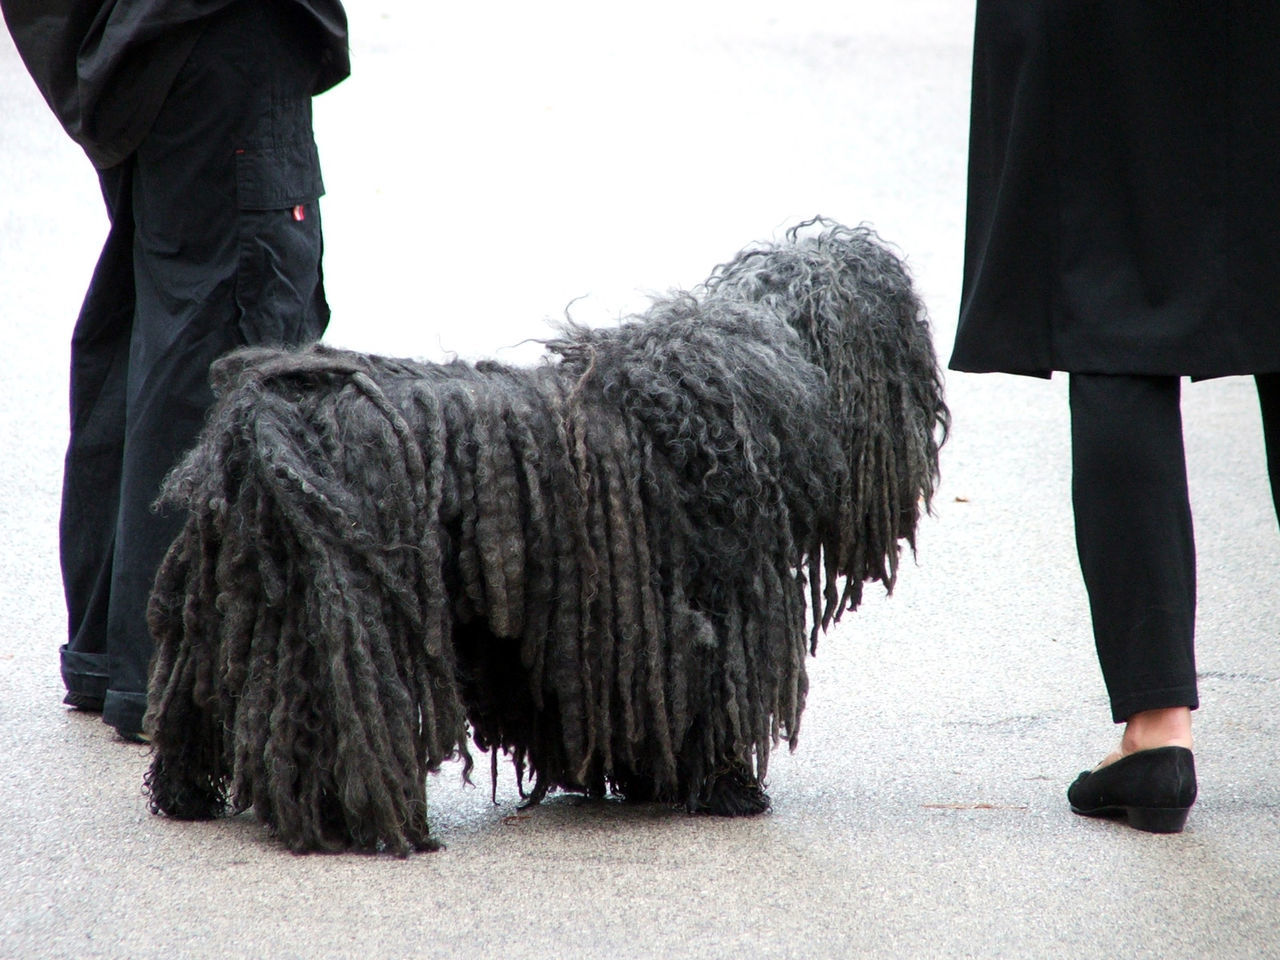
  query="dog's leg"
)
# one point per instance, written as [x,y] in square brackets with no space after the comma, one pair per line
[188,777]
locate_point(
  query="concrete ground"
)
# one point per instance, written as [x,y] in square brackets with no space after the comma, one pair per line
[487,164]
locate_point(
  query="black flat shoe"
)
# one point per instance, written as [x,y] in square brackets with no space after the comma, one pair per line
[1152,789]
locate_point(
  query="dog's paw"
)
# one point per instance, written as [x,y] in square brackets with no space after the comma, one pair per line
[733,792]
[195,797]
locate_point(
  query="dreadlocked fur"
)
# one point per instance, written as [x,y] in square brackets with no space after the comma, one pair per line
[610,566]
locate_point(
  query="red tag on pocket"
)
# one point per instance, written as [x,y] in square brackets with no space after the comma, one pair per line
[299,213]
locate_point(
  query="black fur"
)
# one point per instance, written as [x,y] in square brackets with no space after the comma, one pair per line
[610,566]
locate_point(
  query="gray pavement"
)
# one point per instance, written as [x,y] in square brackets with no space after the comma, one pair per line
[487,164]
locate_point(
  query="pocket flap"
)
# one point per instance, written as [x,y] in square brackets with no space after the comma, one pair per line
[278,177]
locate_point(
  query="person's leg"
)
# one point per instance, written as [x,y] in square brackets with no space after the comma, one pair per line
[1137,550]
[91,471]
[1269,400]
[227,253]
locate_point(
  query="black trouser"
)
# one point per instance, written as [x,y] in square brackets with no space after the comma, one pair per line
[214,243]
[1134,532]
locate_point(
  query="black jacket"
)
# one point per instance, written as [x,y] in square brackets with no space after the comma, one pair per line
[105,66]
[1124,188]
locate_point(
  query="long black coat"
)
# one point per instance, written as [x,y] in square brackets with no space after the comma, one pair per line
[1124,188]
[105,66]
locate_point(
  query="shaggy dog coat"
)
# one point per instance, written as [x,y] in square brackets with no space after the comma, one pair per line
[610,566]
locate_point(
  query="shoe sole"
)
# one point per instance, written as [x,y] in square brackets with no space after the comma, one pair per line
[1147,819]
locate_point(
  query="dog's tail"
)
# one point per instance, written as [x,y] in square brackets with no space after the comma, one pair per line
[852,303]
[298,670]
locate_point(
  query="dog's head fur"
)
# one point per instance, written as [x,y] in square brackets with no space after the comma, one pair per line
[851,301]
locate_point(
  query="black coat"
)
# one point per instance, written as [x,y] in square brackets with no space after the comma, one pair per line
[105,66]
[1124,188]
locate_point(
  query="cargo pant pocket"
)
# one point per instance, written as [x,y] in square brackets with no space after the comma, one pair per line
[280,281]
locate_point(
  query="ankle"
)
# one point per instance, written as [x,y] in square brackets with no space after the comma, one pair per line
[1167,727]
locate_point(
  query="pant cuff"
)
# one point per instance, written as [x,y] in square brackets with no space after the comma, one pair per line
[124,711]
[1124,707]
[85,677]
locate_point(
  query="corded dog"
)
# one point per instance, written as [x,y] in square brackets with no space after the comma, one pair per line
[610,566]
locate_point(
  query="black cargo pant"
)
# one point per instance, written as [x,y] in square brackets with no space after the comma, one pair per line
[214,243]
[1134,531]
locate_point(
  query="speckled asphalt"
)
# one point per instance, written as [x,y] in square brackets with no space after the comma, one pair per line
[486,165]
